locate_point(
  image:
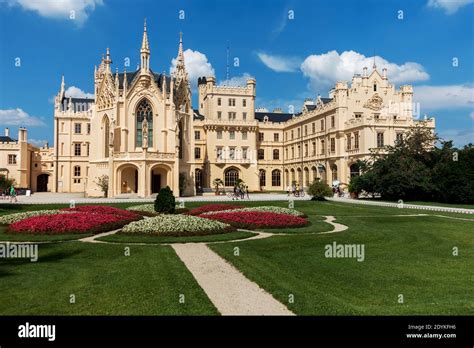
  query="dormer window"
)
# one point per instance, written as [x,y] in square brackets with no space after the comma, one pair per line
[265,118]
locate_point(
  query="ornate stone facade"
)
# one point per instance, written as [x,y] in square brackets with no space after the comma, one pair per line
[141,131]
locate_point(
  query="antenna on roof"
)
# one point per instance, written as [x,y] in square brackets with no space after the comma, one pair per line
[227,65]
[374,66]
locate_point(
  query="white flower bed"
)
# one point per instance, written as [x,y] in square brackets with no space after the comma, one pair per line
[144,208]
[269,208]
[11,218]
[177,225]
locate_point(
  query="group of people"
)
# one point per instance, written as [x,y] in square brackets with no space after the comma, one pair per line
[240,192]
[294,190]
[9,193]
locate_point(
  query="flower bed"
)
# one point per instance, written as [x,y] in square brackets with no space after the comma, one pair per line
[11,218]
[143,209]
[256,219]
[270,209]
[72,223]
[102,209]
[177,225]
[213,207]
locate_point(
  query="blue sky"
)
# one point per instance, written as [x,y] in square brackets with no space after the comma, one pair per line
[295,49]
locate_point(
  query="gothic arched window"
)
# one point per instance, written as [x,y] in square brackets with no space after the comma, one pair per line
[106,128]
[144,110]
[230,177]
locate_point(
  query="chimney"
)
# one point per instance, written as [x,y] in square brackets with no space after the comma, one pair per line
[277,110]
[22,134]
[7,132]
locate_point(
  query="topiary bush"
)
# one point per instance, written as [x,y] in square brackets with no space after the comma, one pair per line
[165,201]
[319,190]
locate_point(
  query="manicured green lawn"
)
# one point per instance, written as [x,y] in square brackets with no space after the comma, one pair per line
[127,238]
[411,256]
[408,255]
[103,280]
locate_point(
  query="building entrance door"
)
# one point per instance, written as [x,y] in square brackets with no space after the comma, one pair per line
[155,183]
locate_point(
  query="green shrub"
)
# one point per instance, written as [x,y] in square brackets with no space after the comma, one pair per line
[318,190]
[165,201]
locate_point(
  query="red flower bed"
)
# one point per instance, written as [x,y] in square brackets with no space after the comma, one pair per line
[83,219]
[213,207]
[103,209]
[254,219]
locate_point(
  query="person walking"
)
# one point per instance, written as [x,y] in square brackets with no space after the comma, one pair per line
[247,192]
[13,194]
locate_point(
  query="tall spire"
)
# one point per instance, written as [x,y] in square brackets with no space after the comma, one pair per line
[180,62]
[62,85]
[180,71]
[145,51]
[107,60]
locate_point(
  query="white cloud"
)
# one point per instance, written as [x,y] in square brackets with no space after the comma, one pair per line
[197,65]
[237,81]
[18,117]
[460,137]
[76,92]
[325,69]
[279,63]
[444,97]
[449,6]
[62,9]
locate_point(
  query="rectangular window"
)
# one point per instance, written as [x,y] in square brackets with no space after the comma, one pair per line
[88,148]
[292,152]
[88,128]
[398,138]
[333,121]
[358,115]
[314,148]
[197,153]
[244,152]
[77,128]
[313,127]
[299,151]
[276,137]
[219,101]
[333,145]
[356,140]
[292,135]
[299,132]
[261,154]
[322,125]
[77,149]
[276,154]
[197,135]
[349,142]
[231,115]
[244,115]
[231,102]
[219,134]
[305,130]
[244,102]
[77,171]
[219,153]
[260,136]
[231,153]
[219,115]
[232,135]
[286,153]
[322,147]
[244,135]
[11,159]
[305,150]
[380,139]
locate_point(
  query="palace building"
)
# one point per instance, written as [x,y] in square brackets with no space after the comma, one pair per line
[142,133]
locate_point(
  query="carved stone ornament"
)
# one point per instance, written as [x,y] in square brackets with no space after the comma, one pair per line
[374,103]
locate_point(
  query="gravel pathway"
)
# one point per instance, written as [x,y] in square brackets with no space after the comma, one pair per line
[227,288]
